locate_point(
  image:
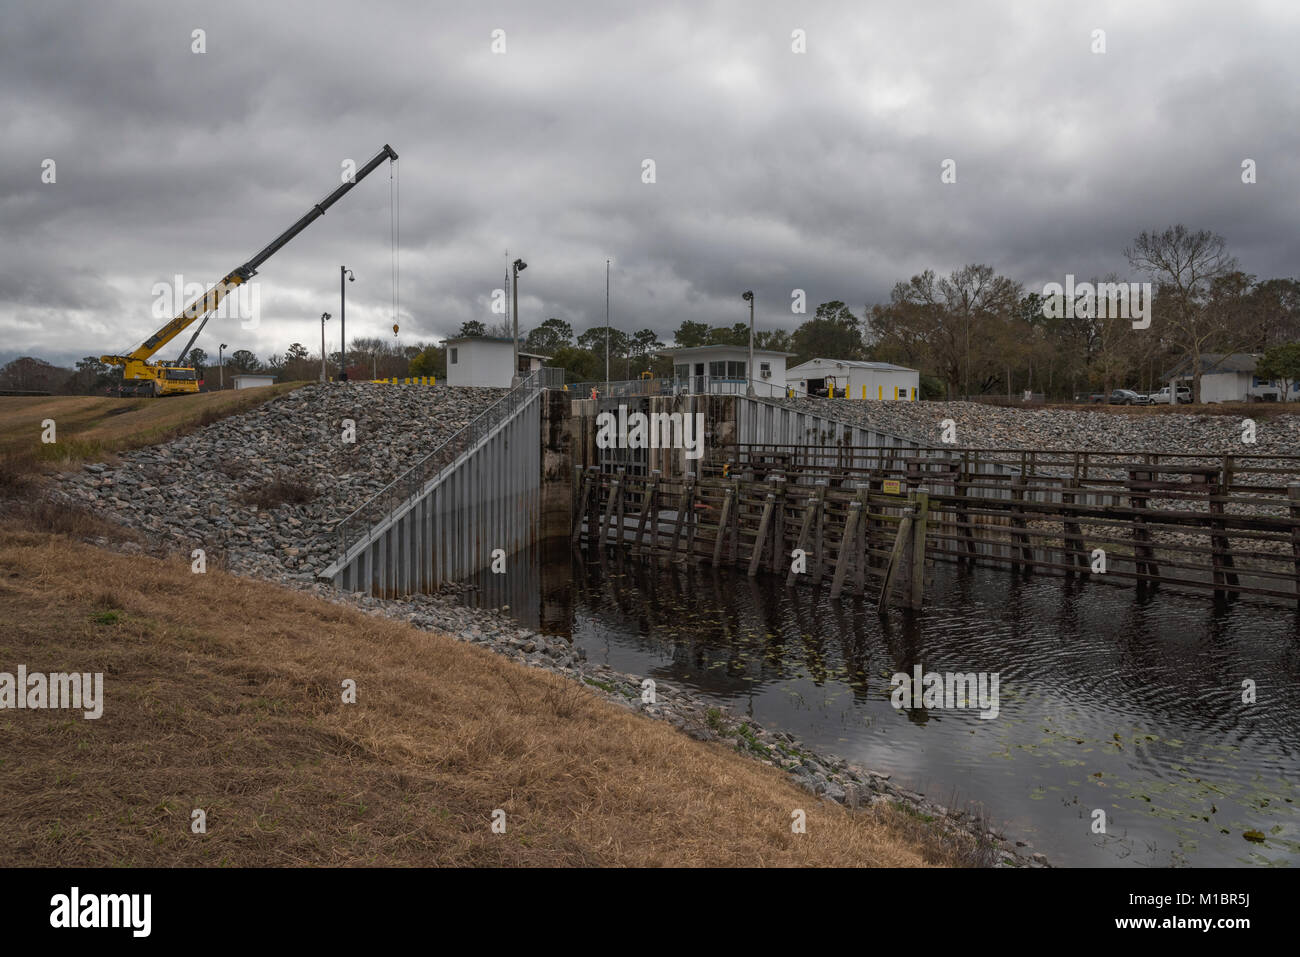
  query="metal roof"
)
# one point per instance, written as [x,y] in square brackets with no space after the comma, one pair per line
[855,363]
[1213,363]
[683,350]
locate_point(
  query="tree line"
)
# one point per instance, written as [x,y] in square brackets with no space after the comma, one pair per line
[972,332]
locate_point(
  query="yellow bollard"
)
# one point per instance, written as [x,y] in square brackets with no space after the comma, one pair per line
[830,391]
[880,393]
[864,392]
[895,393]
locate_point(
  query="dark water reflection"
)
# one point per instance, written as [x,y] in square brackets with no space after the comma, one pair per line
[1108,699]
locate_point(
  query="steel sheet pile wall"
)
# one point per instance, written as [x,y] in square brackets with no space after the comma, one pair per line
[759,421]
[489,499]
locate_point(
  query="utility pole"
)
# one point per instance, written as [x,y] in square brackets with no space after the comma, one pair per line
[607,327]
[221,365]
[324,375]
[344,273]
[518,266]
[748,295]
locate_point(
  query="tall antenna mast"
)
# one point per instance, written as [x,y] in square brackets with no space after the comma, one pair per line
[606,326]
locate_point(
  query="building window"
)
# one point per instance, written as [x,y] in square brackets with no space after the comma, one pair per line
[453,355]
[718,370]
[735,370]
[765,369]
[682,371]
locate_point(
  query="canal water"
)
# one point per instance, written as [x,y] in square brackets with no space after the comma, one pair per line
[1108,699]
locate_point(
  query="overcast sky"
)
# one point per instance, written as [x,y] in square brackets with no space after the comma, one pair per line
[775,170]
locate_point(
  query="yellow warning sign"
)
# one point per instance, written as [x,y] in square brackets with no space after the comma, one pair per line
[892,487]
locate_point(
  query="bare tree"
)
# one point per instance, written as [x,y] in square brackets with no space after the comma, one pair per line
[1185,265]
[959,324]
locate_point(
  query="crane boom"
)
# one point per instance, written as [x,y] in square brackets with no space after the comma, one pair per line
[137,366]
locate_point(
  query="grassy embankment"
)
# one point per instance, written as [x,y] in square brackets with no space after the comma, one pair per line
[90,428]
[226,694]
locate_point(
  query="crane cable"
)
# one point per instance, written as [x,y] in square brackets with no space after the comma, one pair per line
[394,195]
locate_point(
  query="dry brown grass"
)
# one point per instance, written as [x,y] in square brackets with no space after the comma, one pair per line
[281,490]
[94,427]
[225,694]
[39,514]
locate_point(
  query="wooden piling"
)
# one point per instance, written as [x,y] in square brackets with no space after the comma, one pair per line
[921,502]
[1220,545]
[760,539]
[581,513]
[805,529]
[846,548]
[647,510]
[1072,532]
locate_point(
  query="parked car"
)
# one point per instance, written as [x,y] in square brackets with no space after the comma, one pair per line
[1091,398]
[1127,397]
[1162,397]
[1264,392]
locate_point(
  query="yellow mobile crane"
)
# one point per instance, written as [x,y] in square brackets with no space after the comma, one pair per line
[142,377]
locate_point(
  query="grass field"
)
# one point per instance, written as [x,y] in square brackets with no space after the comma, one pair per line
[224,694]
[90,427]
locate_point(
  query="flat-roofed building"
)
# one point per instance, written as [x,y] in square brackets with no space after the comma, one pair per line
[724,369]
[864,380]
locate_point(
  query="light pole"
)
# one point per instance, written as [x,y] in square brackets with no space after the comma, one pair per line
[324,376]
[607,327]
[517,266]
[748,296]
[221,365]
[344,272]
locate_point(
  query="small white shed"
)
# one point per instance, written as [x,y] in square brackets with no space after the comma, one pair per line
[250,380]
[487,361]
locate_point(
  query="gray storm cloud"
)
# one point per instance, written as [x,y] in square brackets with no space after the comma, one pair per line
[775,170]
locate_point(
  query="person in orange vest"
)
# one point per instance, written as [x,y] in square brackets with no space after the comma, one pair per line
[593,392]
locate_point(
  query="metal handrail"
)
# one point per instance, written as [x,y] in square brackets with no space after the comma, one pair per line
[359,524]
[675,385]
